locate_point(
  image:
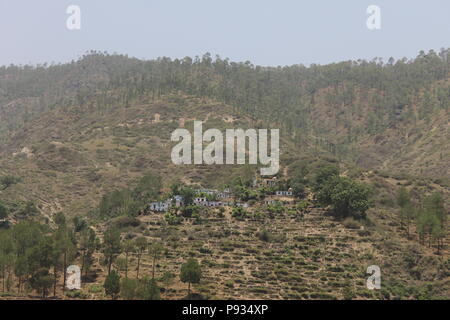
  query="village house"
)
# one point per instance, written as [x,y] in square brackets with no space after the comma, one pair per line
[202,199]
[162,206]
[178,201]
[209,192]
[265,182]
[224,194]
[159,206]
[242,204]
[270,182]
[214,204]
[284,193]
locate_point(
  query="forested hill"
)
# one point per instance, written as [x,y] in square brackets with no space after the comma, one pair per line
[364,147]
[369,112]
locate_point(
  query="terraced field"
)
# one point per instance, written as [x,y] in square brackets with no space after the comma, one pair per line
[314,257]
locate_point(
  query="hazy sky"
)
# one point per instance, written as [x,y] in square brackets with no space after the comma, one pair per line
[275,32]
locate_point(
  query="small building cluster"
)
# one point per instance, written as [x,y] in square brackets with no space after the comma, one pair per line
[206,203]
[215,198]
[162,206]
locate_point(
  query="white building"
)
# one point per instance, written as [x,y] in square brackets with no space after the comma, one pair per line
[178,201]
[223,195]
[200,200]
[160,206]
[241,204]
[284,193]
[208,192]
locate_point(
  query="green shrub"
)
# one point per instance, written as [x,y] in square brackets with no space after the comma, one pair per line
[351,223]
[125,221]
[76,294]
[95,288]
[264,235]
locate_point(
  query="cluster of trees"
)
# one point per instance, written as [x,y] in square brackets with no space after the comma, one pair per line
[243,189]
[146,288]
[34,256]
[132,288]
[113,246]
[126,202]
[348,198]
[429,215]
[18,210]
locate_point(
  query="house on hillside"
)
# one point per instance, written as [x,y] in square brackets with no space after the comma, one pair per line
[214,204]
[178,201]
[242,204]
[224,194]
[160,206]
[209,192]
[284,193]
[270,182]
[200,201]
[266,182]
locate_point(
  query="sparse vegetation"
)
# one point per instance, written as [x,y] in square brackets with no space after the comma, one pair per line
[79,192]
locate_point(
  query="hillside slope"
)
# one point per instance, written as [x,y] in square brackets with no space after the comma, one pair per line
[72,133]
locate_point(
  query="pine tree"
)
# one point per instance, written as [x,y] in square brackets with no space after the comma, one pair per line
[190,273]
[112,285]
[111,246]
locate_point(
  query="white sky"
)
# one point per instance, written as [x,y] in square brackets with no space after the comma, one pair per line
[277,32]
